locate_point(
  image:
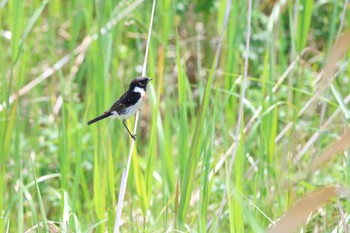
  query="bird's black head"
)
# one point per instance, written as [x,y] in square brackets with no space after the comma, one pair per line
[139,82]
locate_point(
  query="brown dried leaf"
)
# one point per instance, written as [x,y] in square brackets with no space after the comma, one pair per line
[331,152]
[301,211]
[338,50]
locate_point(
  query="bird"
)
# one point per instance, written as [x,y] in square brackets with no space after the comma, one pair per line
[128,104]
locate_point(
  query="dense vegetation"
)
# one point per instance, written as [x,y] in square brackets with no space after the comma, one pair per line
[202,161]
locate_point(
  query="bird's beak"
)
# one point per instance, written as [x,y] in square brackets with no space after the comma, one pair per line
[149,79]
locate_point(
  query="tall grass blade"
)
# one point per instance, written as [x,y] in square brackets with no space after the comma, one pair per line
[304,21]
[40,200]
[140,183]
[16,27]
[193,156]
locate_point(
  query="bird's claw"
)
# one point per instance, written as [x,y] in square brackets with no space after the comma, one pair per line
[133,136]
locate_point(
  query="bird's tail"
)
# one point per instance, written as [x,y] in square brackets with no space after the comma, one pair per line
[106,114]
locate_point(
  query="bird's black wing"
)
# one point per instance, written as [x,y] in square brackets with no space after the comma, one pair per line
[128,99]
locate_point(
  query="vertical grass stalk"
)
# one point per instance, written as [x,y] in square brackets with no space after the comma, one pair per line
[125,173]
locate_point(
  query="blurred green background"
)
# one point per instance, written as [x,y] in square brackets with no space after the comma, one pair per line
[65,62]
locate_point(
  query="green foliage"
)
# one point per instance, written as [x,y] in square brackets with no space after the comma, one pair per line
[58,173]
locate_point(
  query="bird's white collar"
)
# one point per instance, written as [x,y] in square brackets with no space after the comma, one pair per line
[139,90]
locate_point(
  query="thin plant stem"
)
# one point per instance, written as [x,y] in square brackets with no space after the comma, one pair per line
[125,173]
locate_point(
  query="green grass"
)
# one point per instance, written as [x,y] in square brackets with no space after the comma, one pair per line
[58,173]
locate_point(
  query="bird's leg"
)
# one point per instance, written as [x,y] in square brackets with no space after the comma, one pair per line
[133,136]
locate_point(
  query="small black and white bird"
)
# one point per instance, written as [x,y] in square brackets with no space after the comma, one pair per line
[128,104]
